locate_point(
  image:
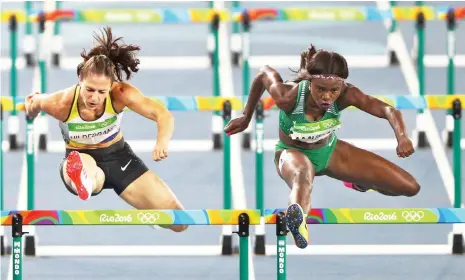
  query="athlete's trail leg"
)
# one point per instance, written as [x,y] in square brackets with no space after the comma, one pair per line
[150,192]
[82,175]
[351,164]
[298,173]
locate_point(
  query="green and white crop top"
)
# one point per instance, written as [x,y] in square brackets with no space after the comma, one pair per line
[298,127]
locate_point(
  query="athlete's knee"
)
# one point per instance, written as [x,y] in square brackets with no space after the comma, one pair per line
[179,228]
[411,187]
[303,176]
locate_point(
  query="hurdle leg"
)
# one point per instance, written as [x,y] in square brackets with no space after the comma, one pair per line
[227,242]
[447,133]
[246,135]
[30,239]
[243,232]
[421,121]
[17,254]
[2,231]
[393,59]
[216,118]
[13,121]
[236,38]
[281,233]
[42,118]
[260,248]
[57,40]
[457,238]
[29,41]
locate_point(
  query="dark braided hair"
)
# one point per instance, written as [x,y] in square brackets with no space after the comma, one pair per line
[109,58]
[313,62]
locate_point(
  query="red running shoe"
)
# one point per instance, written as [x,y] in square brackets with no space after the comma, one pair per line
[356,187]
[77,174]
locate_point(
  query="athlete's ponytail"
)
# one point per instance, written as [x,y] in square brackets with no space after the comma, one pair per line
[314,62]
[109,58]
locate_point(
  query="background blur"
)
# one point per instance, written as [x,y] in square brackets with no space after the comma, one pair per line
[196,176]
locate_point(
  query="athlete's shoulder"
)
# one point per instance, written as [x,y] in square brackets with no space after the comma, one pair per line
[121,93]
[119,89]
[349,96]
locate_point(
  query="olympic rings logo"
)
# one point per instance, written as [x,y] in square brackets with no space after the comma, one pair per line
[328,124]
[413,216]
[148,218]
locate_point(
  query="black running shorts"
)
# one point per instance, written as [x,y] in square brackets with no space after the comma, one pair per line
[118,162]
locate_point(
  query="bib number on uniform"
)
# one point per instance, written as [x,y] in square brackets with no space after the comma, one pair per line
[314,132]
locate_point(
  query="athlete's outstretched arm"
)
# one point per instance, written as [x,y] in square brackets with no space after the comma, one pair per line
[268,79]
[373,106]
[51,103]
[152,110]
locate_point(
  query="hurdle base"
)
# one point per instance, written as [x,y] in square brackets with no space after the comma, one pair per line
[217,141]
[246,141]
[260,245]
[227,247]
[211,57]
[422,140]
[56,60]
[235,58]
[29,245]
[449,137]
[30,61]
[2,246]
[13,140]
[393,59]
[43,142]
[458,245]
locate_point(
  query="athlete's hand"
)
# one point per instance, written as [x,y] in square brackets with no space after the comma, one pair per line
[237,125]
[29,103]
[160,151]
[405,147]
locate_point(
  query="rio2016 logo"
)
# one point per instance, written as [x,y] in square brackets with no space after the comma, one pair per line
[413,216]
[380,216]
[115,218]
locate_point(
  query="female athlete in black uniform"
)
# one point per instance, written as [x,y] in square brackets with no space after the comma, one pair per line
[310,109]
[90,113]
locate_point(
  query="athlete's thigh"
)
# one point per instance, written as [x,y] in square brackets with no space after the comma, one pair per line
[355,165]
[290,163]
[92,169]
[149,191]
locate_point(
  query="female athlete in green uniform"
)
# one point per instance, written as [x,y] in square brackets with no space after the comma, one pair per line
[90,113]
[310,107]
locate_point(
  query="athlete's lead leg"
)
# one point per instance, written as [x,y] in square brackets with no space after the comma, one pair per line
[351,164]
[298,173]
[82,174]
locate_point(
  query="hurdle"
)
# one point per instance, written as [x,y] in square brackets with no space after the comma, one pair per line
[452,183]
[14,63]
[243,218]
[225,105]
[394,56]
